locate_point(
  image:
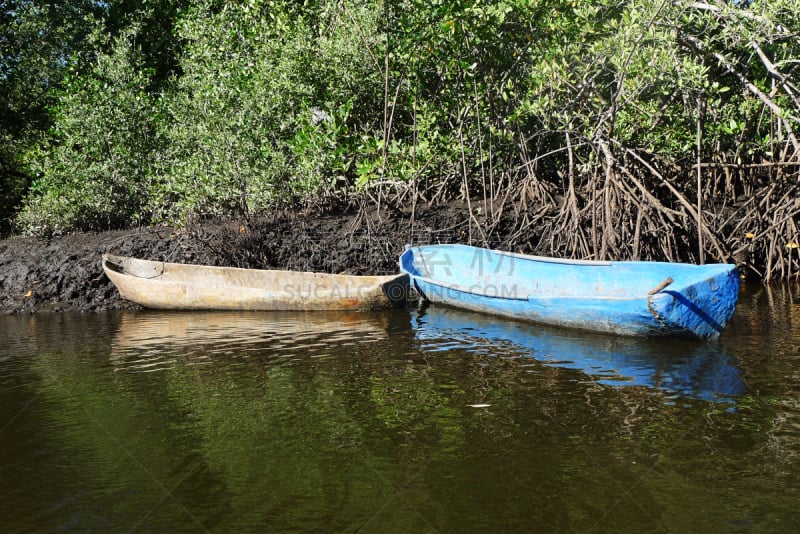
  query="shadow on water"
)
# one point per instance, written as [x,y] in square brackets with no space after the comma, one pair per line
[681,368]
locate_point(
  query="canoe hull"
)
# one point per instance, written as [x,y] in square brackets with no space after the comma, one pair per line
[173,286]
[598,296]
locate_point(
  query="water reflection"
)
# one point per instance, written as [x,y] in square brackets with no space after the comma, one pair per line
[681,368]
[157,341]
[297,422]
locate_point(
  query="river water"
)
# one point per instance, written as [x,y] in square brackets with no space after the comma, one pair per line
[427,420]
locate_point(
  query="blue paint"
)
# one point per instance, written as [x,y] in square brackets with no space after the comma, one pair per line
[626,298]
[683,368]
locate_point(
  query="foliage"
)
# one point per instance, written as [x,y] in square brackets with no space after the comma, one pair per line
[36,43]
[44,48]
[92,173]
[589,117]
[258,113]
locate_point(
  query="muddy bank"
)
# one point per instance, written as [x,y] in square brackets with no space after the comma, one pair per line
[64,273]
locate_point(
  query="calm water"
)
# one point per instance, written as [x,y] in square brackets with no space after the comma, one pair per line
[402,421]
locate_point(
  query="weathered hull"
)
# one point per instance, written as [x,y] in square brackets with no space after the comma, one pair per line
[176,286]
[628,298]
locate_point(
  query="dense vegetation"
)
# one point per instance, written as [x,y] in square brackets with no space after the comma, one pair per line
[656,129]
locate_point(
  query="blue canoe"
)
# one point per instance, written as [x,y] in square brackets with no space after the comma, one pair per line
[629,298]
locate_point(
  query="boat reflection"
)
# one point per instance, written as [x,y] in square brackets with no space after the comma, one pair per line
[680,368]
[152,340]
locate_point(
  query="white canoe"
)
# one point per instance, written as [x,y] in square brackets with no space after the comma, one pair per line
[177,286]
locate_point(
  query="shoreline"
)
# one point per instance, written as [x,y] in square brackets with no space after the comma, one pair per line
[65,273]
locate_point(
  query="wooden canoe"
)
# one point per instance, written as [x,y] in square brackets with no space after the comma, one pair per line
[177,286]
[629,298]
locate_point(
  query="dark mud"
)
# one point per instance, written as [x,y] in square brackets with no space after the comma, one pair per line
[65,273]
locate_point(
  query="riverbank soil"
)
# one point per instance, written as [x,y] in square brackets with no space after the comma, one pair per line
[65,273]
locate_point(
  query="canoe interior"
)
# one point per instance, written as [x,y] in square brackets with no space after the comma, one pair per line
[517,276]
[163,285]
[232,276]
